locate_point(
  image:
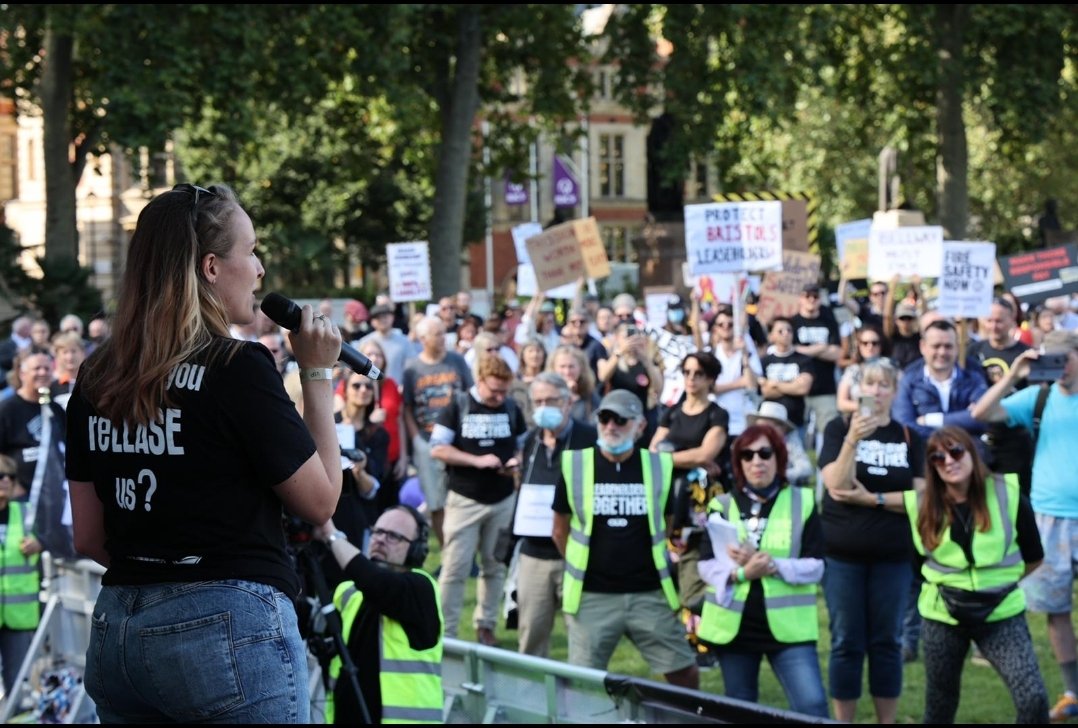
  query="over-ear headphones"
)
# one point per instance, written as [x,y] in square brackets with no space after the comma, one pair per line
[420,546]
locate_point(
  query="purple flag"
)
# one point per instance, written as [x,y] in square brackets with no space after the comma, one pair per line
[566,188]
[516,193]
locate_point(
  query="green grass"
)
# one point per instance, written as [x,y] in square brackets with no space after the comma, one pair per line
[985,698]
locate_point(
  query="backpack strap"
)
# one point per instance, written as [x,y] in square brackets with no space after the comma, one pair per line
[1038,410]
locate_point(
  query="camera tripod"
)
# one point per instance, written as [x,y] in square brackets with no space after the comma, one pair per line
[330,641]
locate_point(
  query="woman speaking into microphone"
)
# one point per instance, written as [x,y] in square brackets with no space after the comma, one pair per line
[182,450]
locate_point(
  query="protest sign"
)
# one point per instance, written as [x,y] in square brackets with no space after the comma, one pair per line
[729,237]
[1041,274]
[780,291]
[851,244]
[563,254]
[853,230]
[800,215]
[965,283]
[409,271]
[905,252]
[655,300]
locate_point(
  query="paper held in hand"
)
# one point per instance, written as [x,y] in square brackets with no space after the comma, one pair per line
[722,533]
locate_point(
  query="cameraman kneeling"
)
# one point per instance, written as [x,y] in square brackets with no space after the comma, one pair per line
[391,621]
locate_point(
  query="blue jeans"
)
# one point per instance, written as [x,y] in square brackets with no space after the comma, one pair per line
[14,644]
[797,669]
[911,622]
[203,652]
[866,603]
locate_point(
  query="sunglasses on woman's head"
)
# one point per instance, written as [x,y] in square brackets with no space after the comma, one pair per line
[939,457]
[747,455]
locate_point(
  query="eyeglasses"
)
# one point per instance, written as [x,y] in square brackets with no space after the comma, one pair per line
[747,455]
[391,536]
[694,373]
[9,476]
[723,324]
[606,417]
[905,318]
[878,293]
[869,342]
[361,385]
[194,190]
[810,294]
[939,457]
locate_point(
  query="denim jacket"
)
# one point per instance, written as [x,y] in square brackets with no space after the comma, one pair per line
[917,396]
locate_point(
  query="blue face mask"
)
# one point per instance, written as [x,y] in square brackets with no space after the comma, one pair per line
[619,449]
[675,315]
[549,418]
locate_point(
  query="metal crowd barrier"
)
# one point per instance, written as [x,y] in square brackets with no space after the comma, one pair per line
[481,684]
[492,685]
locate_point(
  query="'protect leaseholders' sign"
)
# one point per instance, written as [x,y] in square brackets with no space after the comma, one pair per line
[728,237]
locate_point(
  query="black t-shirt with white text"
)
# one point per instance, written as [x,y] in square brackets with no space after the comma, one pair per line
[1010,448]
[619,560]
[21,427]
[885,462]
[819,330]
[479,431]
[190,498]
[786,368]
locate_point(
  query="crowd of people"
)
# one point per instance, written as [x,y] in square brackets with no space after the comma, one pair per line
[695,485]
[865,432]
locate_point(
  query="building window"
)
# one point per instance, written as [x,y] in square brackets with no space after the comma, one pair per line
[8,175]
[611,165]
[618,243]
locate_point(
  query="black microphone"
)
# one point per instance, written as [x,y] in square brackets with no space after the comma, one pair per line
[285,312]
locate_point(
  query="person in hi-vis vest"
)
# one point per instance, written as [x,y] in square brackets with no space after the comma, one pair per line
[763,584]
[20,579]
[612,506]
[391,617]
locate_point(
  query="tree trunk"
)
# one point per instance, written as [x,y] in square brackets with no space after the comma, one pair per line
[952,162]
[61,234]
[454,158]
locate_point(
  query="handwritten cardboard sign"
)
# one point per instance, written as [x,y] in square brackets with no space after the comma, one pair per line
[729,237]
[965,283]
[567,252]
[780,291]
[409,271]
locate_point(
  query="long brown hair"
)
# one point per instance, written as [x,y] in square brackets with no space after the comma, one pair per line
[937,509]
[167,312]
[351,411]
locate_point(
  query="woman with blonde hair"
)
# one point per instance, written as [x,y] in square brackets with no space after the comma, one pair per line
[391,402]
[183,452]
[533,360]
[572,364]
